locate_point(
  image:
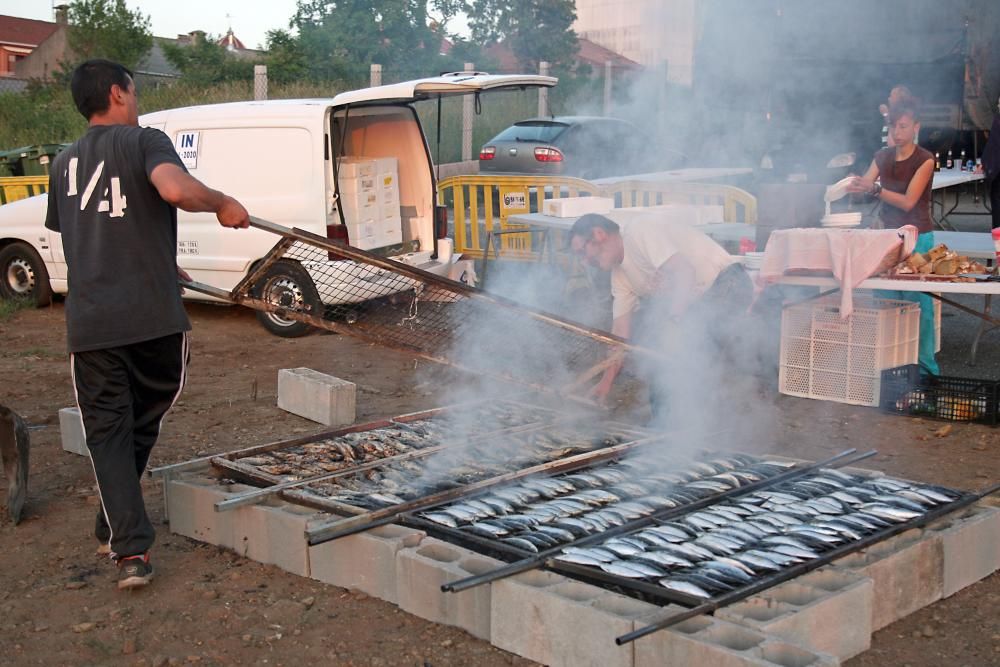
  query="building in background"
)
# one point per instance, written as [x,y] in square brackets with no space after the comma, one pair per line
[19,37]
[649,32]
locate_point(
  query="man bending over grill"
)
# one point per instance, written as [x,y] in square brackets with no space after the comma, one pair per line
[675,291]
[113,195]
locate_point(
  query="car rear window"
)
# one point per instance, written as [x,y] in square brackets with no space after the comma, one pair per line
[542,132]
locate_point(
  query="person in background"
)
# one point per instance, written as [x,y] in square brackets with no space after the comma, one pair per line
[690,292]
[901,178]
[991,167]
[899,94]
[113,195]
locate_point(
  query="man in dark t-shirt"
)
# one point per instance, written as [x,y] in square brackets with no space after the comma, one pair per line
[113,196]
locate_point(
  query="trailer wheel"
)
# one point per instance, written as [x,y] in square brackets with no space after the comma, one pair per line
[23,275]
[288,285]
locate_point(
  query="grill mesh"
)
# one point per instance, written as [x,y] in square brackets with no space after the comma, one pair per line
[310,279]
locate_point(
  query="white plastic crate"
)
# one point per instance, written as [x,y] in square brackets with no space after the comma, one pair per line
[831,358]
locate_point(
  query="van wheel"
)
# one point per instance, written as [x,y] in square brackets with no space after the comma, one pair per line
[287,284]
[23,275]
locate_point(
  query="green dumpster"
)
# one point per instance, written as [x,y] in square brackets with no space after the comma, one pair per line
[35,160]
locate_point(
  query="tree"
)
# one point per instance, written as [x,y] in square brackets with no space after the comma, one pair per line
[535,30]
[286,59]
[341,39]
[205,62]
[107,29]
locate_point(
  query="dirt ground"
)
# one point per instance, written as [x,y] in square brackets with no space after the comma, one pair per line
[58,603]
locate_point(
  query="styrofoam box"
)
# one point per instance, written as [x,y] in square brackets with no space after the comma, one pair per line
[839,359]
[571,207]
[388,211]
[359,184]
[391,231]
[360,206]
[354,167]
[365,235]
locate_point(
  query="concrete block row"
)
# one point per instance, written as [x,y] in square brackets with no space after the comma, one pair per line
[970,544]
[906,573]
[705,640]
[272,532]
[828,610]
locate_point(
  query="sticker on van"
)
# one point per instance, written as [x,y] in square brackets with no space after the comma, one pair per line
[186,146]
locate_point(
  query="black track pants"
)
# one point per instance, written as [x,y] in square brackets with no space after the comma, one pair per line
[123,394]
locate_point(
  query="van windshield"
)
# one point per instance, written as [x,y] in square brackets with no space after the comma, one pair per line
[542,131]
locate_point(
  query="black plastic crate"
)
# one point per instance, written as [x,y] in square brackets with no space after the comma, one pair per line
[906,392]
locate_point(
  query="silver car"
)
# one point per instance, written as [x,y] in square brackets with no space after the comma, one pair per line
[581,146]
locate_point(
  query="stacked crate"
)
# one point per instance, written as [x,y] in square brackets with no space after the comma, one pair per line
[357,178]
[833,358]
[369,193]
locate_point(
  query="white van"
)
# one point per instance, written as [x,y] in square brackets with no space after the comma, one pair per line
[277,158]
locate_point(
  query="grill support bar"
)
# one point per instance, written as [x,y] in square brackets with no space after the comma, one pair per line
[808,566]
[543,557]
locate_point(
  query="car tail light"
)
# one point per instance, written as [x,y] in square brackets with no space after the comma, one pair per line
[487,152]
[545,154]
[441,221]
[337,234]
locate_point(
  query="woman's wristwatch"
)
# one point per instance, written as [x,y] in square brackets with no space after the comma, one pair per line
[876,189]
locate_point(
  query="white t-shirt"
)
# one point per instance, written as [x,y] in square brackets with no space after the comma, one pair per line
[649,242]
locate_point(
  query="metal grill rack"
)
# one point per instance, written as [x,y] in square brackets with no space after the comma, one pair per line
[397,305]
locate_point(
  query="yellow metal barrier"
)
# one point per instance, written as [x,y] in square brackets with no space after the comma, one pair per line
[738,205]
[483,203]
[13,188]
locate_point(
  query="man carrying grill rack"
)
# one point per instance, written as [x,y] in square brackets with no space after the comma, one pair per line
[676,292]
[113,196]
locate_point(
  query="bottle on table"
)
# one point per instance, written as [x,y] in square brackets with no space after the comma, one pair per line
[949,163]
[937,162]
[962,160]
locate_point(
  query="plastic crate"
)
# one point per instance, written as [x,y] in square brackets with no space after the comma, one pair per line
[838,359]
[906,392]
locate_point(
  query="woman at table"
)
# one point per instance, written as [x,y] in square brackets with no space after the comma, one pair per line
[901,177]
[991,167]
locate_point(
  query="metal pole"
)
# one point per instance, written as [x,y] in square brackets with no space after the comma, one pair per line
[808,566]
[468,115]
[543,92]
[539,559]
[260,82]
[376,75]
[607,87]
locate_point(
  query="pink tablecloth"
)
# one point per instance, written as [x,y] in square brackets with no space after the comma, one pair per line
[851,255]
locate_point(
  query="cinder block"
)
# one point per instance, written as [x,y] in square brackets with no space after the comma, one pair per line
[906,572]
[71,432]
[555,621]
[365,561]
[704,640]
[317,396]
[828,610]
[970,546]
[274,533]
[191,502]
[422,570]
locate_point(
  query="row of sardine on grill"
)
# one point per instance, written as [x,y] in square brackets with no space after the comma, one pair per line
[703,553]
[730,545]
[400,481]
[344,451]
[542,512]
